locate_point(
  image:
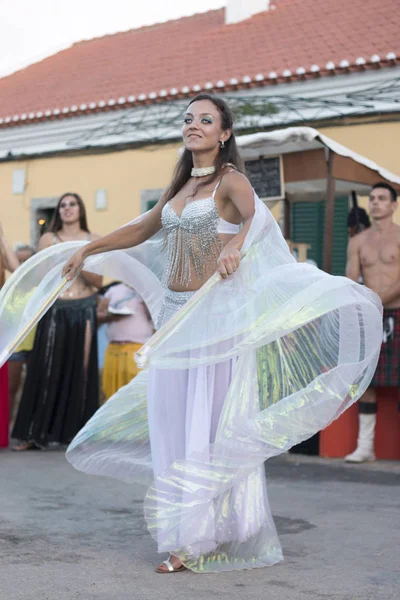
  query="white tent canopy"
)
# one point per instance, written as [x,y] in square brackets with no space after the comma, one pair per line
[295,140]
[316,168]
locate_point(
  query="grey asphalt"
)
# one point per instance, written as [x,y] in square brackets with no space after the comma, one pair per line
[65,535]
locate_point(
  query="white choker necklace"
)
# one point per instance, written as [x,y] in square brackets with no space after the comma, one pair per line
[202,171]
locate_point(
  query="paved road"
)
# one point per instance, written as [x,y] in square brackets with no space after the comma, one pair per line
[68,536]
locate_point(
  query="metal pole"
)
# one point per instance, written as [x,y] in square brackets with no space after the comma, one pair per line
[329,212]
[287,217]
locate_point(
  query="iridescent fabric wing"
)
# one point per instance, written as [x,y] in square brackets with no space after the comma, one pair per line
[25,292]
[305,346]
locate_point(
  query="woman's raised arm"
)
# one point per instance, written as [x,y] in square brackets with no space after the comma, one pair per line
[237,188]
[125,237]
[10,259]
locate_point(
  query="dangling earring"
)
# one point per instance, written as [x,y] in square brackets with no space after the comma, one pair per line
[222,145]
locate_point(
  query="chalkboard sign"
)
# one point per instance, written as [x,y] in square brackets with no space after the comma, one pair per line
[265,176]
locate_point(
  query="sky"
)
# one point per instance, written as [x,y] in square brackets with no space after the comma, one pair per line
[30,30]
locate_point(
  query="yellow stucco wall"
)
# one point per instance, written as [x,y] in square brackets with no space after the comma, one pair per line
[377,141]
[126,173]
[123,174]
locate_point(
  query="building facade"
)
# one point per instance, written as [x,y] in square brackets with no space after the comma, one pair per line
[103,117]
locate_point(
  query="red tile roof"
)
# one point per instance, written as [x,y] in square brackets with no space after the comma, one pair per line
[294,39]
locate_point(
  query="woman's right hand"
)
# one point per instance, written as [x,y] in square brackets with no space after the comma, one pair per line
[73,265]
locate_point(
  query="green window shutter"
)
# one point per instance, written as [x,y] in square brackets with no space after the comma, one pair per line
[150,204]
[340,237]
[308,227]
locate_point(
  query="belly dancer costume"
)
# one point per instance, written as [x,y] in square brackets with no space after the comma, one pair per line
[265,359]
[59,394]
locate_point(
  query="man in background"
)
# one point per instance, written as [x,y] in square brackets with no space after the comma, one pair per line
[374,254]
[129,327]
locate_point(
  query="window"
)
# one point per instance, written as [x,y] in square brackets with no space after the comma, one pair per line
[149,198]
[42,211]
[308,221]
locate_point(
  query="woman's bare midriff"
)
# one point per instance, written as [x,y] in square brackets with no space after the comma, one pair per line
[79,289]
[196,283]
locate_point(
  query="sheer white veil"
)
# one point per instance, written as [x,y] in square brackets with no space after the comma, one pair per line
[306,346]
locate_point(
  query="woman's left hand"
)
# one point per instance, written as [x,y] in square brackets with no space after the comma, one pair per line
[228,261]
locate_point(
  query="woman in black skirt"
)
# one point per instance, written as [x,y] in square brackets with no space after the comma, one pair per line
[61,388]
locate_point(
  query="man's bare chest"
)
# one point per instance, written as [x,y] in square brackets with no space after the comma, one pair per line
[384,253]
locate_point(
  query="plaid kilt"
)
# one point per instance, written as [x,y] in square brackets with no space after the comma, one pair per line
[388,370]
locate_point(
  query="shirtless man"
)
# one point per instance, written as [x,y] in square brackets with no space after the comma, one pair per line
[375,254]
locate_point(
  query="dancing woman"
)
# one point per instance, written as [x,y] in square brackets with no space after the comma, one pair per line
[61,388]
[201,213]
[268,356]
[9,261]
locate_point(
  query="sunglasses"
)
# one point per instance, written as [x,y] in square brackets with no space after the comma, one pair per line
[68,204]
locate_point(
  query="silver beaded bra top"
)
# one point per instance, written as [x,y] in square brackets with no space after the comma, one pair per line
[192,241]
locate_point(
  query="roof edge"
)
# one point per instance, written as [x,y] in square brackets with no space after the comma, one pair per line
[360,64]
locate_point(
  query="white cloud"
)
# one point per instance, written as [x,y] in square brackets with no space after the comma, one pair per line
[33,29]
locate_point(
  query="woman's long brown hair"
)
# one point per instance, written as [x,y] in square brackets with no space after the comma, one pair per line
[56,222]
[228,154]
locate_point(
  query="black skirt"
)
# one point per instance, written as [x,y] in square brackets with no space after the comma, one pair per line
[59,394]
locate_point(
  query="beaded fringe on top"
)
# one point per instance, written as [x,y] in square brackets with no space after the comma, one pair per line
[192,241]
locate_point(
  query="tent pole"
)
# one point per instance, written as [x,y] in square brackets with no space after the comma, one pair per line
[287,217]
[329,211]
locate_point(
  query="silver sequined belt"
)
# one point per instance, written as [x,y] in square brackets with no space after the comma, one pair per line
[172,302]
